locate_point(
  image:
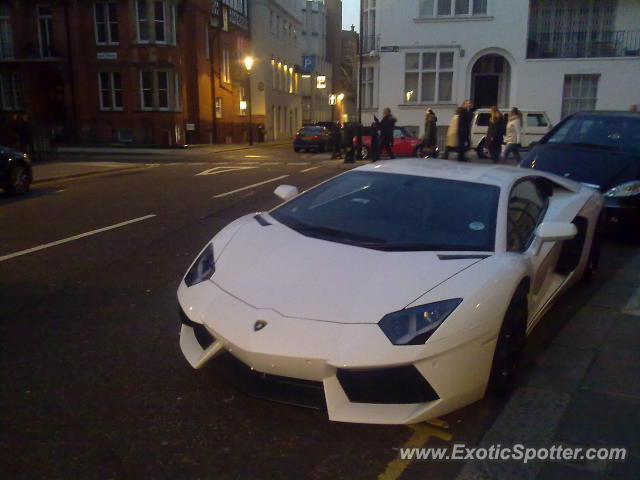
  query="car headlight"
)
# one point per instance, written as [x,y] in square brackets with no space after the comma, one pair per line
[202,269]
[626,189]
[413,326]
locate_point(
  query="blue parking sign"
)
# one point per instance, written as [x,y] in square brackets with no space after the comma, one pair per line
[308,63]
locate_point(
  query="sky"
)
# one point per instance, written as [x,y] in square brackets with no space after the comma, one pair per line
[350,14]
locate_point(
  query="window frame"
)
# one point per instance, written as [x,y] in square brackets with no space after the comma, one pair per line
[435,8]
[436,70]
[172,89]
[225,70]
[110,88]
[15,91]
[564,110]
[107,22]
[48,19]
[6,33]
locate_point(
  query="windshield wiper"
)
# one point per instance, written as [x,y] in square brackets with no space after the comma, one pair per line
[333,233]
[593,145]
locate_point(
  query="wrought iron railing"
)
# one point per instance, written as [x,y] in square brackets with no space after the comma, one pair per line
[625,43]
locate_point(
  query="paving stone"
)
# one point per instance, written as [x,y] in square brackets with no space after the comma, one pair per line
[600,419]
[560,369]
[588,328]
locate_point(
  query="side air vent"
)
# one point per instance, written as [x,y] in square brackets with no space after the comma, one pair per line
[462,257]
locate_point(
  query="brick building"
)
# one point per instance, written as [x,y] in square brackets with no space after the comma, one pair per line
[156,72]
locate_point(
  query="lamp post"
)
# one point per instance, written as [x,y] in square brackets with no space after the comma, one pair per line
[248,63]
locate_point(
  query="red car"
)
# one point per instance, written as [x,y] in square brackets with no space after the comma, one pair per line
[403,143]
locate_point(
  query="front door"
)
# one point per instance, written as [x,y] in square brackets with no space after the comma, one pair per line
[485,91]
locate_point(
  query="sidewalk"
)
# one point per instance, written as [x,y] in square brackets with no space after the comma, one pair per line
[191,149]
[584,389]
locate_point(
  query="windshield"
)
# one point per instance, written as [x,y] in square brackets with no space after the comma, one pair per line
[311,131]
[395,212]
[600,131]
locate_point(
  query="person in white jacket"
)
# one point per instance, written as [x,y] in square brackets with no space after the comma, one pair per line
[512,137]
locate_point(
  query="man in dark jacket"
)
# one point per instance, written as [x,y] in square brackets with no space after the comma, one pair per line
[386,131]
[464,130]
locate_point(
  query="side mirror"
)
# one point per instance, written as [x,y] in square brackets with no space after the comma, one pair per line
[554,232]
[286,192]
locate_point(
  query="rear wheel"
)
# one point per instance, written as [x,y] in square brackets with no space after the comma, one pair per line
[511,340]
[18,181]
[482,150]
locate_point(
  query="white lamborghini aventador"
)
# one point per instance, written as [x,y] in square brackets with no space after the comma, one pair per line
[393,293]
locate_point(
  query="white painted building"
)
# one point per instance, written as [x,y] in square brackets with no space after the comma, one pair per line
[559,56]
[276,45]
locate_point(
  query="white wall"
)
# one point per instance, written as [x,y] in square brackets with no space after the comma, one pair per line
[535,84]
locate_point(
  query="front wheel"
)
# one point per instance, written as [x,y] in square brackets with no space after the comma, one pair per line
[482,150]
[18,182]
[511,340]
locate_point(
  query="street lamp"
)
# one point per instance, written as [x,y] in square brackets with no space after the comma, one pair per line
[248,63]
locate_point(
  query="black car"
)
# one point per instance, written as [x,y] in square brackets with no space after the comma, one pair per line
[312,137]
[601,150]
[16,173]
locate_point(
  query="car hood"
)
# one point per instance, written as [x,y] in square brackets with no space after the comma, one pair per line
[275,267]
[597,167]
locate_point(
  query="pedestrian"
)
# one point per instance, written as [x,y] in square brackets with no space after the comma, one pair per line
[336,141]
[427,147]
[464,130]
[513,134]
[495,133]
[452,134]
[348,132]
[261,132]
[386,126]
[375,143]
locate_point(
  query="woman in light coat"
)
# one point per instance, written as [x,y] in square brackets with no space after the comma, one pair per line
[513,135]
[452,134]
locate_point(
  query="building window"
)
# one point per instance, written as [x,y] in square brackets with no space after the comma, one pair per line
[10,91]
[106,23]
[226,66]
[448,8]
[368,85]
[207,46]
[163,15]
[159,90]
[428,77]
[243,102]
[580,93]
[45,30]
[110,86]
[218,107]
[6,36]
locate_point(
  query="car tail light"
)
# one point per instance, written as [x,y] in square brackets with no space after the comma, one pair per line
[298,137]
[316,137]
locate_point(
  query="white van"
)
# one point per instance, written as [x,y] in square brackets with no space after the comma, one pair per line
[534,126]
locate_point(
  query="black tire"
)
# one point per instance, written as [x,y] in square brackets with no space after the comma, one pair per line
[481,150]
[18,181]
[296,149]
[511,340]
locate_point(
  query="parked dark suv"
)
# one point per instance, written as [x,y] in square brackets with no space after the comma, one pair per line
[16,173]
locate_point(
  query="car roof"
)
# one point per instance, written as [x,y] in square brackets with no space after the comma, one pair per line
[499,175]
[607,113]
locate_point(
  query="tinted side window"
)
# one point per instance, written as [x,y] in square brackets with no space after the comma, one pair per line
[527,205]
[482,120]
[536,120]
[398,132]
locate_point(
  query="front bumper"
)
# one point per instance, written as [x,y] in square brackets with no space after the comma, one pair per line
[352,369]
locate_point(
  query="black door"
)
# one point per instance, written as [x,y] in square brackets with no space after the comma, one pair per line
[486,90]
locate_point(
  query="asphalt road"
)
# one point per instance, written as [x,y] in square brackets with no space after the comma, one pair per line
[93,381]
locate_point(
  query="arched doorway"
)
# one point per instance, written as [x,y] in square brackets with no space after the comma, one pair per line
[490,80]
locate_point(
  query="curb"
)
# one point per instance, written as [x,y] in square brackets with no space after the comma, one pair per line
[87,174]
[147,152]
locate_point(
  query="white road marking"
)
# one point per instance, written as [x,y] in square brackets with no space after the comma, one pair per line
[254,156]
[75,237]
[220,195]
[308,169]
[218,169]
[297,163]
[633,305]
